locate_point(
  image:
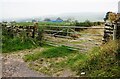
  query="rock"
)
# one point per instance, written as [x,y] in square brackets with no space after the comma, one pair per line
[41,59]
[82,73]
[96,44]
[89,39]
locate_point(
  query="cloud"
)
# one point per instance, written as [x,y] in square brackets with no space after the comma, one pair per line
[29,8]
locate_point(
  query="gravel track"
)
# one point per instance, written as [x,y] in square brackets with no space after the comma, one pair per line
[14,66]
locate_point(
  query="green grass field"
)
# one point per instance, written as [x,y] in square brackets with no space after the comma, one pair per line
[86,24]
[45,23]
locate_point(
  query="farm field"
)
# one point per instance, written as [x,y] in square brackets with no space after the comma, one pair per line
[86,23]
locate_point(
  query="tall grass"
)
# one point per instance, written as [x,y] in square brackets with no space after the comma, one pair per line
[102,62]
[10,45]
[12,41]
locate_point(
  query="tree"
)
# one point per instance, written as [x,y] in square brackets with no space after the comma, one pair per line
[59,19]
[88,23]
[69,20]
[47,19]
[76,23]
[106,17]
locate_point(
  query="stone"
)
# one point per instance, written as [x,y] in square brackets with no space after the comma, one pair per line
[82,73]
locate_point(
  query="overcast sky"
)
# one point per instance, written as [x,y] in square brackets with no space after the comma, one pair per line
[29,8]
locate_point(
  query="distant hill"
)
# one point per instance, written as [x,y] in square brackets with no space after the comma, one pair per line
[81,17]
[92,16]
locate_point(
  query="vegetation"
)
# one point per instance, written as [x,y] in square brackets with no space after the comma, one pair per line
[101,62]
[47,19]
[10,45]
[87,23]
[12,41]
[98,62]
[111,17]
[44,23]
[50,53]
[54,57]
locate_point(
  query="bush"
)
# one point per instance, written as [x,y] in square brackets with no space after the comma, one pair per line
[87,23]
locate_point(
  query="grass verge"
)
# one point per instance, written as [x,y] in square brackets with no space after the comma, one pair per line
[15,44]
[100,61]
[50,53]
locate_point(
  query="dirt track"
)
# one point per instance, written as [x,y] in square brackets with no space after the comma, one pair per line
[14,66]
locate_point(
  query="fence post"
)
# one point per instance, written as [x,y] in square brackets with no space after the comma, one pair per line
[114,32]
[67,31]
[35,27]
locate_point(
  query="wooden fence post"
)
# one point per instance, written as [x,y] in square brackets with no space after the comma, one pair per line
[118,30]
[35,28]
[114,32]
